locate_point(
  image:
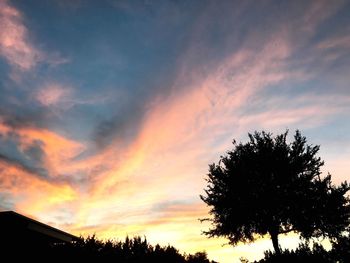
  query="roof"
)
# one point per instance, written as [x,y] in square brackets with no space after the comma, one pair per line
[19,226]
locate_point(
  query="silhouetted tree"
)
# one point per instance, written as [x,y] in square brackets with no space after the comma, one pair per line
[270,186]
[199,257]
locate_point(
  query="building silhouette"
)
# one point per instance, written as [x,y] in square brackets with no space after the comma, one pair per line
[19,233]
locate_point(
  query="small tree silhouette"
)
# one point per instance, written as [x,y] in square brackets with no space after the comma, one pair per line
[269,186]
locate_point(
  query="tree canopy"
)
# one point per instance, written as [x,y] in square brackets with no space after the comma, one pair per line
[271,186]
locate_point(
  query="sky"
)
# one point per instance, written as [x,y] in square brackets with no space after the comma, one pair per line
[111,111]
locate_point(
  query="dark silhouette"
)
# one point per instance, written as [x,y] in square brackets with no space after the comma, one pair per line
[339,253]
[21,235]
[25,238]
[131,250]
[270,186]
[14,225]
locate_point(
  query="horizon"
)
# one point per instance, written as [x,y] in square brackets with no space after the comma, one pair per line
[111,111]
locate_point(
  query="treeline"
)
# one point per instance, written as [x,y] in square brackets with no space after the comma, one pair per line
[138,249]
[130,250]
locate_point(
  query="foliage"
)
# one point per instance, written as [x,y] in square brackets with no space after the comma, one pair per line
[341,248]
[91,249]
[270,186]
[199,257]
[340,253]
[130,250]
[302,254]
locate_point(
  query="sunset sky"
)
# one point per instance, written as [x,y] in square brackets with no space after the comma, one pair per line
[111,111]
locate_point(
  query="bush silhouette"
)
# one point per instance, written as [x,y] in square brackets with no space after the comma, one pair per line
[339,253]
[131,250]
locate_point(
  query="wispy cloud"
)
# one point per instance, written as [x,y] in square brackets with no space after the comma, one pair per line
[58,98]
[53,94]
[335,43]
[15,45]
[317,12]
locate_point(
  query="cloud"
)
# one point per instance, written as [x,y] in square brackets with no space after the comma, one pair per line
[335,43]
[53,94]
[32,193]
[14,41]
[317,12]
[213,102]
[57,100]
[16,45]
[53,151]
[35,172]
[29,161]
[204,50]
[123,125]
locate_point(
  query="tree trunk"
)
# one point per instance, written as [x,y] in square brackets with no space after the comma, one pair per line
[274,237]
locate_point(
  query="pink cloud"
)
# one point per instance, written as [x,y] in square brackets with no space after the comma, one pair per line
[14,43]
[303,117]
[53,94]
[335,43]
[318,12]
[60,97]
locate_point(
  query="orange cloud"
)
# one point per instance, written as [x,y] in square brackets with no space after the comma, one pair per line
[31,192]
[211,104]
[58,150]
[44,196]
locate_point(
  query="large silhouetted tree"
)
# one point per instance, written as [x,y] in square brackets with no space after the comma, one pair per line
[271,186]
